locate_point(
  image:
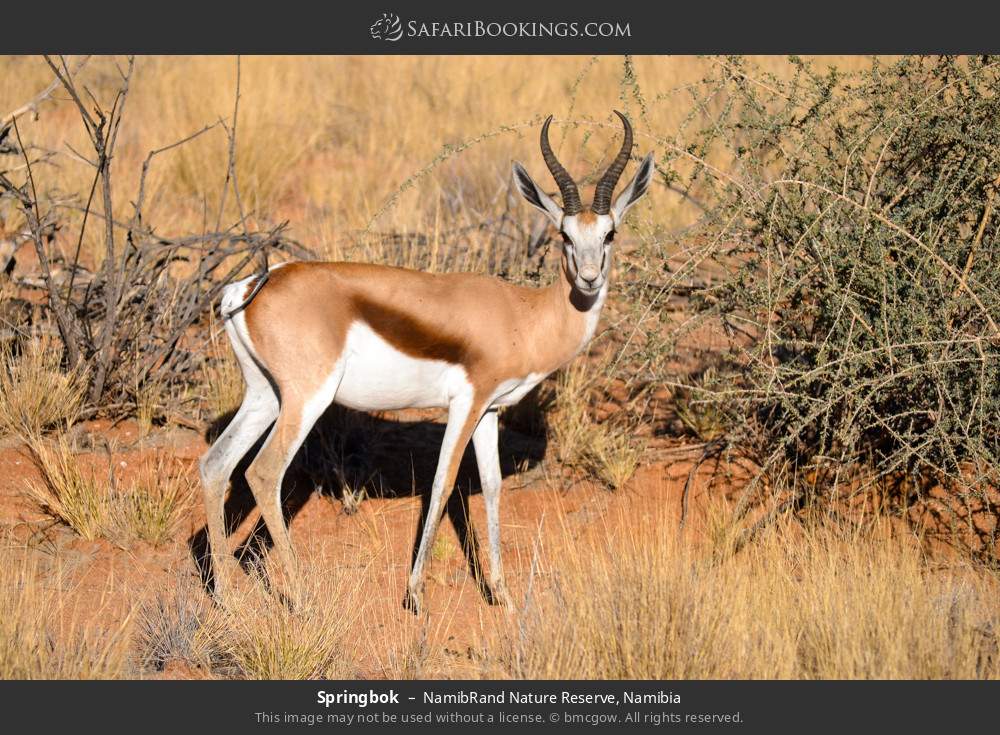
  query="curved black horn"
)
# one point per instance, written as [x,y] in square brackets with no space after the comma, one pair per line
[606,186]
[567,187]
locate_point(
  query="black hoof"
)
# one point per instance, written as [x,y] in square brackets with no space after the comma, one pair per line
[411,602]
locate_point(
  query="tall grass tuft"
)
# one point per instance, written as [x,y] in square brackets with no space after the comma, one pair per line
[36,394]
[299,633]
[149,507]
[69,492]
[606,451]
[221,378]
[167,628]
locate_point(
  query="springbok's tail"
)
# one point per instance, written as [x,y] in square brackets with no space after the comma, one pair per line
[232,294]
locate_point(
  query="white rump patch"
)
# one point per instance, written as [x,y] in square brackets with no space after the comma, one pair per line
[234,294]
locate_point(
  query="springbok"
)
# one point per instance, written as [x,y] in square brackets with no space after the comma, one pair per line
[375,337]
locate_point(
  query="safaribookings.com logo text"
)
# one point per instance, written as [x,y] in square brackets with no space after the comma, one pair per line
[390,28]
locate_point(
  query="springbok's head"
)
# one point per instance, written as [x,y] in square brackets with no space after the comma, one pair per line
[587,236]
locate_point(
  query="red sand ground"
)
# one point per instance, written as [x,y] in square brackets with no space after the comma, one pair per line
[372,547]
[370,551]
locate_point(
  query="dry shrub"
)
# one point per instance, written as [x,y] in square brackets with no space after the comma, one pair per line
[149,507]
[856,239]
[124,307]
[834,604]
[301,633]
[41,638]
[35,393]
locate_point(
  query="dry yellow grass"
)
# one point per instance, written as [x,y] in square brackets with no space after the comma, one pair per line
[167,627]
[152,505]
[329,142]
[222,380]
[334,627]
[569,422]
[621,597]
[832,604]
[615,456]
[42,636]
[266,640]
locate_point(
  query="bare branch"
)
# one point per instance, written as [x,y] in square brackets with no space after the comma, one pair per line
[29,204]
[45,94]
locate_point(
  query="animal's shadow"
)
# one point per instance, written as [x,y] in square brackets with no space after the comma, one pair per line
[387,458]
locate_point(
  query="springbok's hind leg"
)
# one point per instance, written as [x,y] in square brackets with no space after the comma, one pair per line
[462,419]
[256,413]
[485,440]
[298,413]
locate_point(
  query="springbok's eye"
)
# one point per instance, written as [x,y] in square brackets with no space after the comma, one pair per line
[565,238]
[609,238]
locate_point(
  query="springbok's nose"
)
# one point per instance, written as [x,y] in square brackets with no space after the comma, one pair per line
[589,273]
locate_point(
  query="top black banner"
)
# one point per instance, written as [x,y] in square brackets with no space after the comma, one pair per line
[450,27]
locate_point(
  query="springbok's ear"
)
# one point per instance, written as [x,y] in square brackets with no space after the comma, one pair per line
[633,190]
[535,196]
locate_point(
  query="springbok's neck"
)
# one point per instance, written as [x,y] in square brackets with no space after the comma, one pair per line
[579,308]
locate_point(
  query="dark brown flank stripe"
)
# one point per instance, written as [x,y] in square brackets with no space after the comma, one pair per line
[410,335]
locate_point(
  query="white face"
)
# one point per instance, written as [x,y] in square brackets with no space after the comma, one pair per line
[587,236]
[587,241]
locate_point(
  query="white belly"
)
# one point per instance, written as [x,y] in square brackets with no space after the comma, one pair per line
[378,377]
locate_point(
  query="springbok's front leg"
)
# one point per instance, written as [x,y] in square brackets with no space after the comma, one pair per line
[486,441]
[463,416]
